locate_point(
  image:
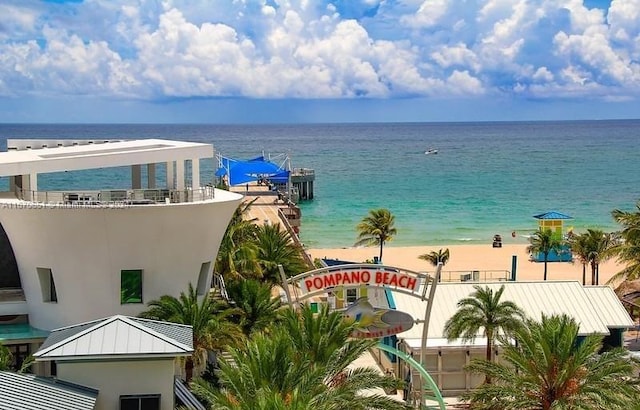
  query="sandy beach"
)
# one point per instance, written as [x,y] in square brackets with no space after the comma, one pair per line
[467,258]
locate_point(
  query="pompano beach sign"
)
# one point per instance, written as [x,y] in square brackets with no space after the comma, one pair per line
[372,322]
[356,275]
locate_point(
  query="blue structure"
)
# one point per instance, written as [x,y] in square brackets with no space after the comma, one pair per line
[553,221]
[240,172]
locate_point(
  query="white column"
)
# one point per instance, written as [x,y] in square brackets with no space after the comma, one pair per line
[170,180]
[180,174]
[26,184]
[136,176]
[195,173]
[151,176]
[33,182]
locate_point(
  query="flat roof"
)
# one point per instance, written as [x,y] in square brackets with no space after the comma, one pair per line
[99,155]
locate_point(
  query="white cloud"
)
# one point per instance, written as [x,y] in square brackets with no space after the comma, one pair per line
[304,49]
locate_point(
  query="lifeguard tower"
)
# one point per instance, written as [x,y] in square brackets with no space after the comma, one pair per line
[554,221]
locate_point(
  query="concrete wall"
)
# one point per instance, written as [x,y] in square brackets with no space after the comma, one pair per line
[114,379]
[86,249]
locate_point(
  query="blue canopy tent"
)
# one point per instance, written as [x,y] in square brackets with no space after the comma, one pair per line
[240,172]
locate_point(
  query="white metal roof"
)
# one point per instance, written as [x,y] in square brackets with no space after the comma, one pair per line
[609,307]
[26,391]
[593,314]
[117,336]
[99,155]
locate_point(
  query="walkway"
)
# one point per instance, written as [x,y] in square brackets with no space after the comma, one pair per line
[264,209]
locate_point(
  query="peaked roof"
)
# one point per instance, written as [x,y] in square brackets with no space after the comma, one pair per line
[27,391]
[552,215]
[117,336]
[595,309]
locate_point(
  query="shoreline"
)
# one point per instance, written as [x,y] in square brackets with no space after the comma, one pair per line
[472,257]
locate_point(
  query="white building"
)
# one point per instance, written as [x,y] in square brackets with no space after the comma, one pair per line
[81,255]
[596,309]
[129,361]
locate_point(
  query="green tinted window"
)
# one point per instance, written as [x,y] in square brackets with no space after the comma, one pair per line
[131,286]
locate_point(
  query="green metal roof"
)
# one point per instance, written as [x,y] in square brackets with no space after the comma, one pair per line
[21,331]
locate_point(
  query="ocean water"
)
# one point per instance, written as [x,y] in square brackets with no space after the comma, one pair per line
[487,178]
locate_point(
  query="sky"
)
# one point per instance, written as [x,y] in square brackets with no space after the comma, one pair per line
[305,61]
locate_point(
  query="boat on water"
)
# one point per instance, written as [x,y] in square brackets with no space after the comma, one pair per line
[431,151]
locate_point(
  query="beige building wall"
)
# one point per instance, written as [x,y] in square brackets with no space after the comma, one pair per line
[114,379]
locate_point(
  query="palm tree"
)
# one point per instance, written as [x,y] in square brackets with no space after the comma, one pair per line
[484,310]
[5,357]
[544,241]
[630,222]
[276,371]
[579,249]
[259,308]
[237,256]
[598,246]
[210,319]
[377,228]
[275,247]
[436,257]
[628,249]
[551,367]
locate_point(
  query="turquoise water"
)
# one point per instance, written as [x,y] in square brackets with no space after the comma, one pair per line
[487,178]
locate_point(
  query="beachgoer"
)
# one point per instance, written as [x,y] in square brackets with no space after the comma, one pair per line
[513,234]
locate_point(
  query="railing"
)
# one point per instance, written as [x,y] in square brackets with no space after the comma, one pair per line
[295,238]
[475,275]
[116,196]
[303,172]
[218,283]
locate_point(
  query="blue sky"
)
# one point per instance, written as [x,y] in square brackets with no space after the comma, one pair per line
[250,61]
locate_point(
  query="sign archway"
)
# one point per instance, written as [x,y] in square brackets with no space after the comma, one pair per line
[376,322]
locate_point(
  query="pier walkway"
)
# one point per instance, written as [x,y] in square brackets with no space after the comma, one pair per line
[265,208]
[268,208]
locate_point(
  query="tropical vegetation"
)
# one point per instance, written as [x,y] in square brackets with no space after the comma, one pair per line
[377,228]
[5,357]
[213,329]
[627,249]
[237,256]
[592,248]
[274,248]
[484,310]
[436,257]
[551,367]
[249,250]
[544,241]
[303,363]
[259,309]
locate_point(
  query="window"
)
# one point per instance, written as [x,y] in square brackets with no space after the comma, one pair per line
[47,285]
[202,278]
[140,402]
[19,353]
[131,286]
[352,295]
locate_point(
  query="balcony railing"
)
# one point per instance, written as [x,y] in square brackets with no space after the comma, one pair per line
[119,197]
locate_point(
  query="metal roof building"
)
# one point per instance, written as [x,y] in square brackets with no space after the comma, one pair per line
[596,309]
[26,391]
[117,336]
